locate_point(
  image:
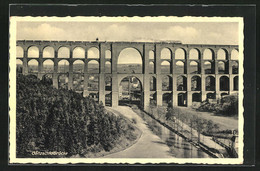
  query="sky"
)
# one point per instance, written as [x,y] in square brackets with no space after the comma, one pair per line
[186,32]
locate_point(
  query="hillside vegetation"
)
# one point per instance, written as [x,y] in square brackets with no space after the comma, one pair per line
[58,120]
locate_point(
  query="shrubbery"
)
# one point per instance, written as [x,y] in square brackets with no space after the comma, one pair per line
[228,106]
[50,119]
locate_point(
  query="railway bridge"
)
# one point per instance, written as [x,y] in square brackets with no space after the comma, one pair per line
[194,72]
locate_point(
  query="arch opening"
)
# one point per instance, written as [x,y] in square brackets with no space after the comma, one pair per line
[165,67]
[222,54]
[108,54]
[194,67]
[33,52]
[63,66]
[93,53]
[195,83]
[182,99]
[33,66]
[78,66]
[93,66]
[224,83]
[130,61]
[151,55]
[180,67]
[210,83]
[48,66]
[167,97]
[130,91]
[222,67]
[194,54]
[108,99]
[64,52]
[48,52]
[234,67]
[78,52]
[181,83]
[166,83]
[166,54]
[180,54]
[108,68]
[208,68]
[208,54]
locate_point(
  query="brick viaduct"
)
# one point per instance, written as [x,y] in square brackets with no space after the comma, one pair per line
[144,48]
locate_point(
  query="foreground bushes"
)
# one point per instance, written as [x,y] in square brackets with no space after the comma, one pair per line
[228,106]
[60,120]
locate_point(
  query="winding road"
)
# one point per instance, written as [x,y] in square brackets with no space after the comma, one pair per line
[148,146]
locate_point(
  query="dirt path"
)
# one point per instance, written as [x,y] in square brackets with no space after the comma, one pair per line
[148,146]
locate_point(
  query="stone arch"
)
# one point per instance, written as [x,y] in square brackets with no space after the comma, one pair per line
[182,99]
[48,52]
[165,67]
[93,82]
[108,54]
[152,83]
[195,83]
[234,67]
[93,66]
[33,52]
[130,91]
[33,66]
[208,67]
[194,67]
[63,66]
[166,83]
[234,54]
[194,54]
[78,66]
[78,52]
[19,66]
[151,54]
[166,97]
[224,83]
[19,52]
[210,83]
[236,83]
[222,67]
[63,80]
[196,97]
[48,66]
[180,67]
[108,68]
[180,53]
[151,67]
[63,52]
[93,53]
[222,54]
[166,54]
[181,83]
[130,61]
[108,83]
[208,54]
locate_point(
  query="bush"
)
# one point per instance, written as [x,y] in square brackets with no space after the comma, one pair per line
[228,106]
[50,119]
